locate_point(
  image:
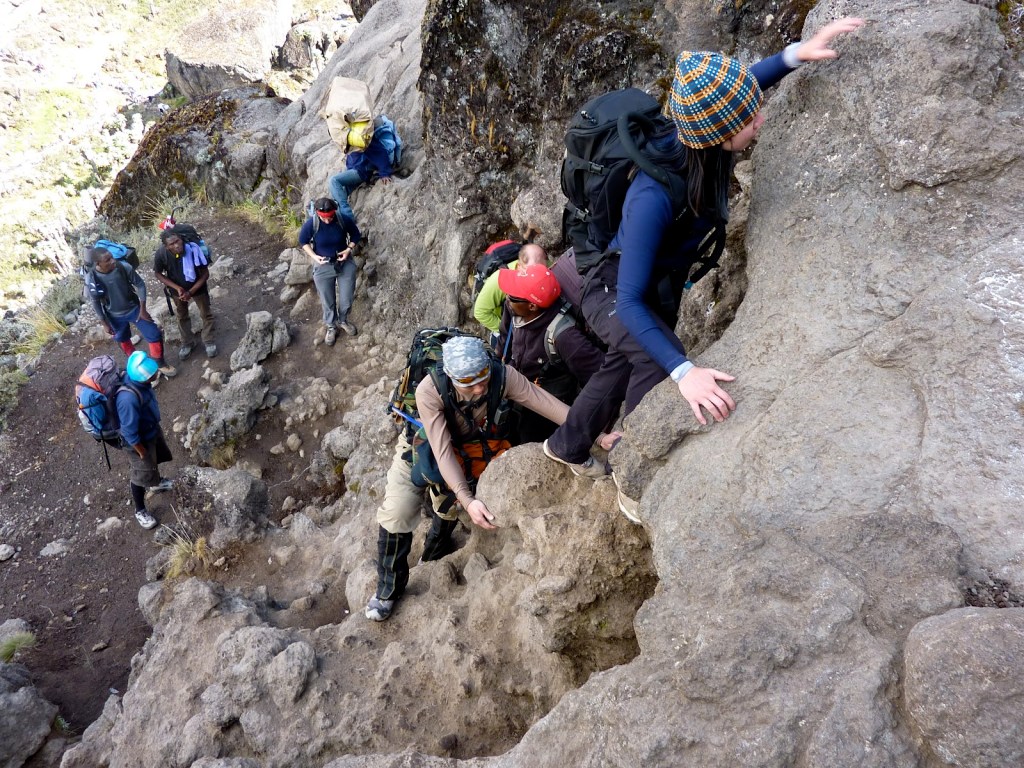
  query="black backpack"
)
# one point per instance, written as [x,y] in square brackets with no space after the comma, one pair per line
[608,141]
[498,255]
[424,359]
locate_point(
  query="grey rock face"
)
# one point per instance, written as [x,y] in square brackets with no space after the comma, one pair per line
[25,716]
[229,414]
[264,334]
[228,46]
[313,42]
[239,503]
[964,685]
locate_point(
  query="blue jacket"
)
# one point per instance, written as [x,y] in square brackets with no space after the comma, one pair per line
[138,413]
[649,238]
[381,156]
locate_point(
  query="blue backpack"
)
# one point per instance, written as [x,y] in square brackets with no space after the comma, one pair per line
[120,251]
[389,139]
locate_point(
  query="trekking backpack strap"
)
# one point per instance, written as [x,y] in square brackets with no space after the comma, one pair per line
[559,323]
[713,242]
[498,407]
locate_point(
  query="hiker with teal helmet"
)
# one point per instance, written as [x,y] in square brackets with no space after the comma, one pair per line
[715,104]
[139,418]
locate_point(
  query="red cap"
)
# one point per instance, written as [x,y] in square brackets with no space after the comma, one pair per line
[536,283]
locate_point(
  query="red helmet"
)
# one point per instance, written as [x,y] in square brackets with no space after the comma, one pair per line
[535,283]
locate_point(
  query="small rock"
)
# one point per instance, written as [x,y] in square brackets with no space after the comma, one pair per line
[54,548]
[289,504]
[100,647]
[6,552]
[109,525]
[277,450]
[219,562]
[294,442]
[86,500]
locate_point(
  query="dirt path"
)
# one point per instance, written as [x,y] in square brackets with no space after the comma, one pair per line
[54,484]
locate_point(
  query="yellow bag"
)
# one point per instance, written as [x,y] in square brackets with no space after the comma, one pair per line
[360,134]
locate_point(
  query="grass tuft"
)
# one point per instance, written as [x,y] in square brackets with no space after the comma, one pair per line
[44,326]
[12,645]
[277,219]
[190,554]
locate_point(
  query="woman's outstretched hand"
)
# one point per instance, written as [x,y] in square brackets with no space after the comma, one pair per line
[816,49]
[700,388]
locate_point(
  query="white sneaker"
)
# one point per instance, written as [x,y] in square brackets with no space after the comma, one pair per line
[589,468]
[627,506]
[145,519]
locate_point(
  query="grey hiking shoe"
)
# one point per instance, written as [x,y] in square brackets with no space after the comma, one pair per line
[627,506]
[379,610]
[330,336]
[349,328]
[185,350]
[211,350]
[589,468]
[145,519]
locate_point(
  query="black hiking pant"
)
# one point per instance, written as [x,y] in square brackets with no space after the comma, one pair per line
[626,376]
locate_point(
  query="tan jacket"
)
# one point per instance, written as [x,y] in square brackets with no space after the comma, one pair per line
[518,388]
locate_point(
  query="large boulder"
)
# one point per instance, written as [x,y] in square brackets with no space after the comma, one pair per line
[238,501]
[965,686]
[228,46]
[217,143]
[229,414]
[25,716]
[264,335]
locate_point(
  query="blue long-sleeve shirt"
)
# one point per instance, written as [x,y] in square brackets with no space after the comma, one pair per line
[139,415]
[330,238]
[650,239]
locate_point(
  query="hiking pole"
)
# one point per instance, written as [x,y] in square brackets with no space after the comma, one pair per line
[407,417]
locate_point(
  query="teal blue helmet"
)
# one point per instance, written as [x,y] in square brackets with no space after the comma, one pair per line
[141,367]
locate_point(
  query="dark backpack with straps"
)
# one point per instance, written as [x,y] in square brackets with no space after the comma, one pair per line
[96,400]
[608,141]
[498,255]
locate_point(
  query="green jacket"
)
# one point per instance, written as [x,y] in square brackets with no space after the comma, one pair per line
[489,302]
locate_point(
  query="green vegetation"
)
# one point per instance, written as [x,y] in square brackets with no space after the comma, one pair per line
[1011,13]
[277,218]
[10,383]
[19,641]
[44,327]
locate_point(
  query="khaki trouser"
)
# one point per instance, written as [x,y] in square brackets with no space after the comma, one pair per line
[181,308]
[400,511]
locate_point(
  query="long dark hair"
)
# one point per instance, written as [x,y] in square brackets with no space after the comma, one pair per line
[707,173]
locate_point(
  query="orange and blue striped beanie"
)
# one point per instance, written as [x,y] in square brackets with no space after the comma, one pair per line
[713,98]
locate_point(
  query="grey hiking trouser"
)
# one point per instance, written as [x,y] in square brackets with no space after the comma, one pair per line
[336,285]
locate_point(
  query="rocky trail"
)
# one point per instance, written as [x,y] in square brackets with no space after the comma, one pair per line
[80,556]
